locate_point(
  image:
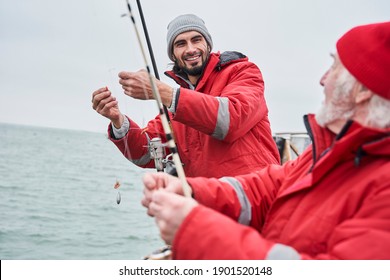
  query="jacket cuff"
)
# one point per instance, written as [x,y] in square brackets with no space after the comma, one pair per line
[118,133]
[175,100]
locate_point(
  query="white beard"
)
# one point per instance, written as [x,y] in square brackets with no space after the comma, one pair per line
[341,105]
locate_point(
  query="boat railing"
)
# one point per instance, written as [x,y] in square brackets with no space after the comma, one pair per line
[291,144]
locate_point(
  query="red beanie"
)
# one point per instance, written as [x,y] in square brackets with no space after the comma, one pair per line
[365,52]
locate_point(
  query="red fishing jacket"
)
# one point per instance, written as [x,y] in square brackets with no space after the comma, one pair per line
[332,202]
[220,128]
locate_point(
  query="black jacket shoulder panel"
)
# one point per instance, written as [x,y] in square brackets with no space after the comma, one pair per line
[230,56]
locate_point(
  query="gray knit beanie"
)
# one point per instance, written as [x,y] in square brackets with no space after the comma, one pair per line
[184,23]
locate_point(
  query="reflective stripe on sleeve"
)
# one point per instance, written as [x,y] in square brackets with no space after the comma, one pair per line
[141,161]
[245,212]
[145,158]
[223,119]
[282,252]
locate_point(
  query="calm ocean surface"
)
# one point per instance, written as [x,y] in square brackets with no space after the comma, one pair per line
[57,198]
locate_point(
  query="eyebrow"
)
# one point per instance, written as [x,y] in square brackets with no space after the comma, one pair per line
[196,37]
[178,41]
[192,38]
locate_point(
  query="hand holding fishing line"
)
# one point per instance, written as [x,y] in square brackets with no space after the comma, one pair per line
[137,85]
[106,105]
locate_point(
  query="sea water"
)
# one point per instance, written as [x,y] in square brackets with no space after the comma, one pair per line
[57,198]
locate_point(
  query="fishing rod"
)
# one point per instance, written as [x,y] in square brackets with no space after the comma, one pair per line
[156,147]
[163,116]
[148,41]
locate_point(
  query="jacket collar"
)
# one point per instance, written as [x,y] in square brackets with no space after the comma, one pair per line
[352,138]
[354,143]
[216,62]
[212,63]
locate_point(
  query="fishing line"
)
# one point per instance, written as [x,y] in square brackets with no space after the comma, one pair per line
[117,181]
[123,103]
[107,58]
[164,120]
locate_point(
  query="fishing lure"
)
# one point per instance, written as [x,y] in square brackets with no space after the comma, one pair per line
[117,184]
[118,197]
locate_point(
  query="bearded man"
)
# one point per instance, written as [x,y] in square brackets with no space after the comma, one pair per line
[218,111]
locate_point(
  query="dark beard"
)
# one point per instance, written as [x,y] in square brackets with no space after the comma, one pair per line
[195,71]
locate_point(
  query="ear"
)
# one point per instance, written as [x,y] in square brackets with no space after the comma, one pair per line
[363,95]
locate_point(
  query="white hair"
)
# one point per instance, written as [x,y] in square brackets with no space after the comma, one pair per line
[378,112]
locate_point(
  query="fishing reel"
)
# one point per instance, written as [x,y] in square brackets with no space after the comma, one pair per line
[157,152]
[161,160]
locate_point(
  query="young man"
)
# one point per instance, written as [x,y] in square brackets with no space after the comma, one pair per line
[332,202]
[218,111]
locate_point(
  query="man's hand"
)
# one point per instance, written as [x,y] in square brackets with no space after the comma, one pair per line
[137,85]
[160,180]
[170,210]
[106,105]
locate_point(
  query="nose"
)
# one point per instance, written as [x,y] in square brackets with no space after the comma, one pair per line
[190,48]
[323,78]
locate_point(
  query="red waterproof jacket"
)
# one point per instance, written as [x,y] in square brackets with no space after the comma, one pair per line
[332,202]
[220,128]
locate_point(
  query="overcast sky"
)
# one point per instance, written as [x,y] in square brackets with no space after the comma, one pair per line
[54,54]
